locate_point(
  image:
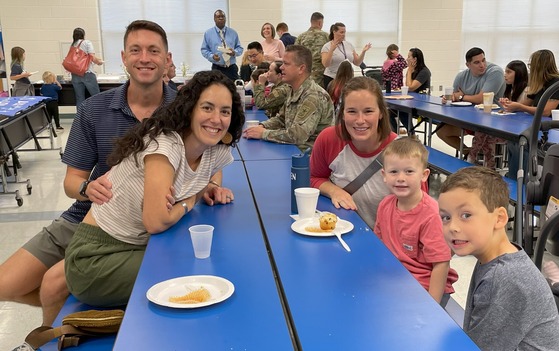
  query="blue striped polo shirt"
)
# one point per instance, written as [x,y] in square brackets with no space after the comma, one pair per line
[99,121]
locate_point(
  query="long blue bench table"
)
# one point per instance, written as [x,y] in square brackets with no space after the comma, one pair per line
[338,300]
[252,318]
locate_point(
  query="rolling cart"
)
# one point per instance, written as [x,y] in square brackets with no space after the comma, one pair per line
[23,118]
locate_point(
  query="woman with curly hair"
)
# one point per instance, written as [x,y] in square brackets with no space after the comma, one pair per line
[160,169]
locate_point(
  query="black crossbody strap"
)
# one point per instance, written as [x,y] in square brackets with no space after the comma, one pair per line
[367,173]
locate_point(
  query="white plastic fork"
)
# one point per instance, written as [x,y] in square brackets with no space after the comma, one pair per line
[338,235]
[342,241]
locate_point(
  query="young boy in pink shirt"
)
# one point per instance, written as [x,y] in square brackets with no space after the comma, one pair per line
[408,220]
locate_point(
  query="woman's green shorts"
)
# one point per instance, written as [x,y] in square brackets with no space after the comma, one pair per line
[101,270]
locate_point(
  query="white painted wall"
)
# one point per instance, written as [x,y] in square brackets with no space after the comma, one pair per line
[41,26]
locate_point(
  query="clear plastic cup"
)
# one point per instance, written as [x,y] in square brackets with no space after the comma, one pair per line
[251,123]
[488,102]
[201,236]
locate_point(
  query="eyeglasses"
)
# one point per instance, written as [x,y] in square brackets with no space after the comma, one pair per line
[254,55]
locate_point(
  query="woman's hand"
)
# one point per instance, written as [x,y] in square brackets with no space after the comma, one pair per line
[411,64]
[510,106]
[341,198]
[218,195]
[335,43]
[367,47]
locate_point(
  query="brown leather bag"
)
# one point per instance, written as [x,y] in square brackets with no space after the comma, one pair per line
[76,325]
[77,61]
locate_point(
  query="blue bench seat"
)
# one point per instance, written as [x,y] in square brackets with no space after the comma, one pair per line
[448,164]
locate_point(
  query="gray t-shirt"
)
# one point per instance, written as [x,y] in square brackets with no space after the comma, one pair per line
[510,306]
[493,80]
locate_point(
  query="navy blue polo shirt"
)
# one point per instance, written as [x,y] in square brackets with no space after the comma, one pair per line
[100,120]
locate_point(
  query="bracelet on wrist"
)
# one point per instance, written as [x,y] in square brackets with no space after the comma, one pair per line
[185,206]
[214,183]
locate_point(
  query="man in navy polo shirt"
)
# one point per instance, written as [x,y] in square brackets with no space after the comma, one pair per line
[34,274]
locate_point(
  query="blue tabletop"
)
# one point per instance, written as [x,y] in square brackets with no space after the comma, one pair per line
[257,150]
[251,319]
[468,117]
[359,300]
[11,106]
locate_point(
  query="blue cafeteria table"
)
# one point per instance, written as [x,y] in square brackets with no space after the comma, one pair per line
[338,300]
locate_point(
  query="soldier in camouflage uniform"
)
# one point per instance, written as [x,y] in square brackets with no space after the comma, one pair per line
[275,99]
[314,39]
[307,110]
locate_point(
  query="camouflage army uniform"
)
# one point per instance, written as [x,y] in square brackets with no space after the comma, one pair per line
[307,111]
[275,99]
[314,39]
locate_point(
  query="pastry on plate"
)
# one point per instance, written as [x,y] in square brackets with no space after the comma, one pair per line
[328,221]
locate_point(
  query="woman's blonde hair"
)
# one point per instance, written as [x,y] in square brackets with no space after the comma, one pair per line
[542,70]
[49,77]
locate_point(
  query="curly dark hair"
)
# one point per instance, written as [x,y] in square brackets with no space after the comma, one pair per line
[177,116]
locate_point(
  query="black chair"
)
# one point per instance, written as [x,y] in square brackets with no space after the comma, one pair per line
[374,72]
[538,188]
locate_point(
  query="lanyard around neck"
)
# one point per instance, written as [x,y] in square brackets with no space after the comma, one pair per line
[343,48]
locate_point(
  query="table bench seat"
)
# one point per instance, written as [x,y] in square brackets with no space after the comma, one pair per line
[448,164]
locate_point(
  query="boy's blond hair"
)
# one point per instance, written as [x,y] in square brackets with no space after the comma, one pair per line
[49,77]
[408,147]
[493,190]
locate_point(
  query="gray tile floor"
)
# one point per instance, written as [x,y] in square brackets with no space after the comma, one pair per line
[47,201]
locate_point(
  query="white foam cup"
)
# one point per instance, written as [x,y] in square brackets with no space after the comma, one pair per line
[307,199]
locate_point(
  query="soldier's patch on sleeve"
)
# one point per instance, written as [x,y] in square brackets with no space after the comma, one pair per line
[304,110]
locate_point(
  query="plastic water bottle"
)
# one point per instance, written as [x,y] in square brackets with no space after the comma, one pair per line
[300,175]
[240,85]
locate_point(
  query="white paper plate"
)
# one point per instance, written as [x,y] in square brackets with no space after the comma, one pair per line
[220,289]
[493,107]
[461,103]
[299,226]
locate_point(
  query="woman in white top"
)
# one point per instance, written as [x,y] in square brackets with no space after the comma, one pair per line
[89,80]
[337,50]
[161,168]
[273,48]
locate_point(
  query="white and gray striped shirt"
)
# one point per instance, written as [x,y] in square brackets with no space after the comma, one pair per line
[121,217]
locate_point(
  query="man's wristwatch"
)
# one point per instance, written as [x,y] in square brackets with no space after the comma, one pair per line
[83,188]
[461,98]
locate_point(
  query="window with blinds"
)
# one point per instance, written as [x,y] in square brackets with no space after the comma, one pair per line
[366,21]
[510,29]
[184,21]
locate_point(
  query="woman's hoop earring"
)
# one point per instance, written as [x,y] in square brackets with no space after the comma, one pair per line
[227,138]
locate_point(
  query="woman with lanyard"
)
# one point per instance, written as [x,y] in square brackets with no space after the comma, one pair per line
[337,50]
